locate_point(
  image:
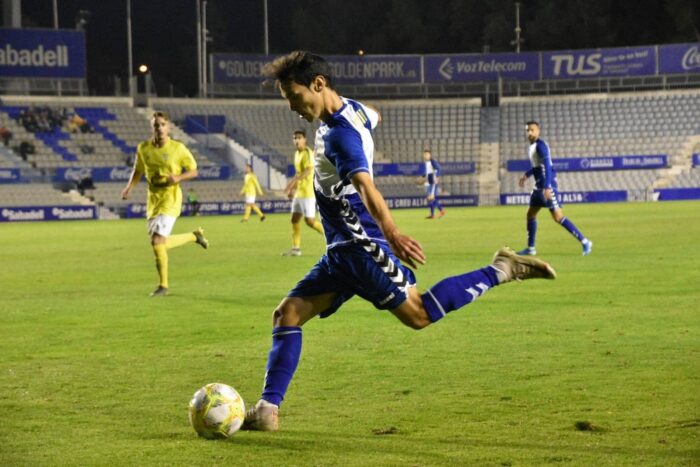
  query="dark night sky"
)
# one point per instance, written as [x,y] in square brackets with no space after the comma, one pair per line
[164,31]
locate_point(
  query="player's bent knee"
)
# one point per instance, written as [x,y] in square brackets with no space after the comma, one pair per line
[413,316]
[284,317]
[416,323]
[286,314]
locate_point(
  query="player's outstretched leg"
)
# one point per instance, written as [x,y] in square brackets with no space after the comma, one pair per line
[160,291]
[314,224]
[439,207]
[282,362]
[160,251]
[531,234]
[431,206]
[258,212]
[510,266]
[263,416]
[296,240]
[200,238]
[573,230]
[455,292]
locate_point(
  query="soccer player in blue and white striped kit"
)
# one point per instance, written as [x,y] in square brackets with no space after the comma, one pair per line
[544,194]
[364,246]
[431,174]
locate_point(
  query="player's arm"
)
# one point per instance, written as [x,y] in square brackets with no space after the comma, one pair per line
[525,176]
[291,188]
[543,150]
[404,247]
[295,180]
[183,177]
[189,169]
[134,178]
[376,111]
[437,171]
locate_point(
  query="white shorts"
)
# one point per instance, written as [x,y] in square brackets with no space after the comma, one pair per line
[161,224]
[249,199]
[306,206]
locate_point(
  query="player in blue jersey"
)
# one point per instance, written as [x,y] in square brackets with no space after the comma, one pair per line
[364,246]
[544,194]
[431,174]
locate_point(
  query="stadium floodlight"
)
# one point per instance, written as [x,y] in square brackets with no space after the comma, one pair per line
[81,19]
[266,30]
[143,68]
[130,54]
[518,39]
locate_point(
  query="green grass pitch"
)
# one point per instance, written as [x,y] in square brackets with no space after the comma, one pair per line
[600,367]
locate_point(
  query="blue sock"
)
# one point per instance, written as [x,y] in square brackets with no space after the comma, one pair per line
[438,205]
[531,232]
[281,362]
[454,292]
[432,208]
[568,225]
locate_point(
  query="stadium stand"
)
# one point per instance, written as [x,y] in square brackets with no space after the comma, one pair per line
[116,128]
[600,125]
[456,130]
[263,126]
[450,128]
[687,179]
[36,194]
[113,128]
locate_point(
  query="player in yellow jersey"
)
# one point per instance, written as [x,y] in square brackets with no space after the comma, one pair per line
[301,190]
[165,163]
[251,187]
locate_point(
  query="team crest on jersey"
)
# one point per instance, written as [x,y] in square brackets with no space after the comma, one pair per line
[361,116]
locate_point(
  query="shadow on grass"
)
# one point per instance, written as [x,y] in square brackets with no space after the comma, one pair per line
[443,450]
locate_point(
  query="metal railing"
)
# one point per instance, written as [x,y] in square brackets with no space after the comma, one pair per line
[43,86]
[490,92]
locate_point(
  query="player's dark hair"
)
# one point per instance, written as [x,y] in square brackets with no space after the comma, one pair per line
[300,67]
[300,132]
[533,122]
[161,114]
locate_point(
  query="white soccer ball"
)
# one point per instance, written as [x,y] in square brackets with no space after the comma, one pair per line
[216,411]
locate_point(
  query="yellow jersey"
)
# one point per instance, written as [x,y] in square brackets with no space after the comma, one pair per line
[305,186]
[251,186]
[156,163]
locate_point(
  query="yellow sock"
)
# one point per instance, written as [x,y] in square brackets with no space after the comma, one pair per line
[175,241]
[296,235]
[318,227]
[161,252]
[257,210]
[246,214]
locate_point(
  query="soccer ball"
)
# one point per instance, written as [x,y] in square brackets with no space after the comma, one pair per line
[216,411]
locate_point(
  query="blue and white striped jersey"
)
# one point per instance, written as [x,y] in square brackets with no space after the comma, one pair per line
[344,147]
[542,168]
[431,172]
